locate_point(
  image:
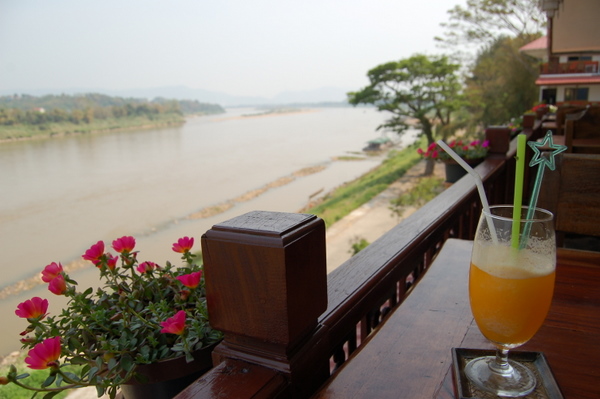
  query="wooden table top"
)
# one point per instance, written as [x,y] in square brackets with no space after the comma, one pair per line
[410,356]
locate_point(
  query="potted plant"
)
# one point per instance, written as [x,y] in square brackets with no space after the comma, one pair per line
[472,152]
[142,315]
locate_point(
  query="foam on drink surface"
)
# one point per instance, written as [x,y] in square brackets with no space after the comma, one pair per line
[503,261]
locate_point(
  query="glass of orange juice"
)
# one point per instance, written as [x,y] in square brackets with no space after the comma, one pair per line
[511,283]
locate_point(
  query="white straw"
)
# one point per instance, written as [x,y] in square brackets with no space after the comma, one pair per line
[478,182]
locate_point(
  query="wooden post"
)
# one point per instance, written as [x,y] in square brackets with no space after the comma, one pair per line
[499,138]
[266,286]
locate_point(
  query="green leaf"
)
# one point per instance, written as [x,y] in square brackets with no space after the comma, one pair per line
[21,376]
[78,360]
[50,395]
[92,372]
[112,363]
[127,363]
[99,390]
[49,381]
[72,376]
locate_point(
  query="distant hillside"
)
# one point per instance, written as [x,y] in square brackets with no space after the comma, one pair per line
[69,103]
[316,96]
[26,116]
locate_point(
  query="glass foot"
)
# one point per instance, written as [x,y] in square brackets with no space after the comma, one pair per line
[517,381]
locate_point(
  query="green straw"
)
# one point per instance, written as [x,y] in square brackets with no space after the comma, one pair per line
[518,197]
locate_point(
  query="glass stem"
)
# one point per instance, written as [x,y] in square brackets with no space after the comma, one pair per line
[500,364]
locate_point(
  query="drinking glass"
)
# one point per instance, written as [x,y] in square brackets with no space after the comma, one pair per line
[510,290]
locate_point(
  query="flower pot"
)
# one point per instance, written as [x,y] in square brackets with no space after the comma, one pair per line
[528,121]
[166,378]
[540,112]
[454,171]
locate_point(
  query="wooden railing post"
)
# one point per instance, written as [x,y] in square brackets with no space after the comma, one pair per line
[266,286]
[499,138]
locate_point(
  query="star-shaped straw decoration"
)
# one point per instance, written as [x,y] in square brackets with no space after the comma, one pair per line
[538,158]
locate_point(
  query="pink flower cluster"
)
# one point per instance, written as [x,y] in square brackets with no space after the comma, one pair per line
[472,150]
[46,353]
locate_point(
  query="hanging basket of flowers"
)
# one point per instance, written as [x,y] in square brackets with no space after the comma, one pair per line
[142,314]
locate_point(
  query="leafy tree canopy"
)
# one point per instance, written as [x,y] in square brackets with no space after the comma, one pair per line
[422,87]
[484,21]
[501,83]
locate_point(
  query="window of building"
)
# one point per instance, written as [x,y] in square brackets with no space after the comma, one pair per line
[580,58]
[576,93]
[549,96]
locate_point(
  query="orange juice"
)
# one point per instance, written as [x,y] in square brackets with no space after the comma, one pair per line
[510,294]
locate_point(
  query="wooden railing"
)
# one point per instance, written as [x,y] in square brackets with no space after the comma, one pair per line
[288,325]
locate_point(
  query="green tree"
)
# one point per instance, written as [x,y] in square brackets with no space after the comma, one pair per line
[482,22]
[420,87]
[501,82]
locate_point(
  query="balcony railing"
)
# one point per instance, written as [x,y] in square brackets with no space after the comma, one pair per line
[555,68]
[288,325]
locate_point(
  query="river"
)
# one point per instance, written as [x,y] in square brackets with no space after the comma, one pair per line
[61,195]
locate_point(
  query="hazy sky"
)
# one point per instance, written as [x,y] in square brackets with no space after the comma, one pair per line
[239,47]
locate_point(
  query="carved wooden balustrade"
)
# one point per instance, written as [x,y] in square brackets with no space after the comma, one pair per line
[288,324]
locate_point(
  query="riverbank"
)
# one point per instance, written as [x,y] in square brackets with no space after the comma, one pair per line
[55,130]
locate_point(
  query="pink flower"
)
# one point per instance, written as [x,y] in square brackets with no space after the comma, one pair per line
[146,267]
[111,261]
[94,254]
[51,271]
[190,280]
[420,151]
[44,355]
[58,285]
[124,244]
[183,245]
[33,308]
[175,324]
[485,144]
[434,154]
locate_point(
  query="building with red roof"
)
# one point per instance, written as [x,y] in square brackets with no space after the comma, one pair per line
[570,52]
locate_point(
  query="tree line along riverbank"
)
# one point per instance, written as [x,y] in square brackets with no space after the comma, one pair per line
[27,117]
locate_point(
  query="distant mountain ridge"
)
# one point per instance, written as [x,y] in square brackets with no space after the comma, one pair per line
[321,95]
